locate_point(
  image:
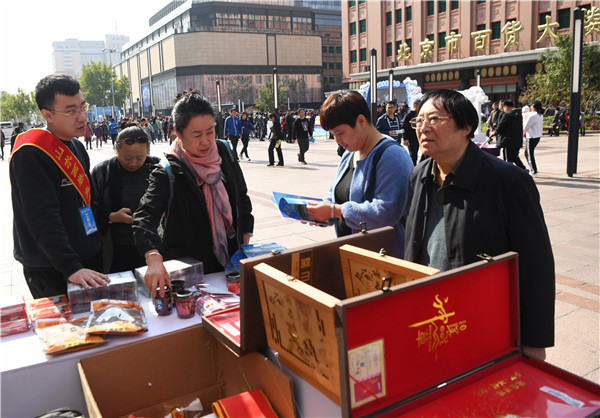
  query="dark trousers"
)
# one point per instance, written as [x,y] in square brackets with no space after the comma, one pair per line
[279,153]
[413,150]
[49,282]
[99,139]
[245,140]
[512,156]
[234,141]
[113,137]
[125,257]
[529,149]
[303,145]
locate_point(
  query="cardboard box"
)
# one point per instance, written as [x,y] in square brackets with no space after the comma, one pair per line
[153,376]
[316,264]
[443,345]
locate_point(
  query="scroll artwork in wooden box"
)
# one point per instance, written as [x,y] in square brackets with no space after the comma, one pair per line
[368,271]
[300,325]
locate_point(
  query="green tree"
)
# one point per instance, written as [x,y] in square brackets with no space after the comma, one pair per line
[552,85]
[296,89]
[240,86]
[265,101]
[95,84]
[20,107]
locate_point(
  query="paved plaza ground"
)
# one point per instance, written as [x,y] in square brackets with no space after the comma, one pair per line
[571,207]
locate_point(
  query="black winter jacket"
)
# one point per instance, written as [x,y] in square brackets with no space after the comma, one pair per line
[48,231]
[188,231]
[492,207]
[509,132]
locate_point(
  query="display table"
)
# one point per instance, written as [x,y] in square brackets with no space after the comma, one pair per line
[32,383]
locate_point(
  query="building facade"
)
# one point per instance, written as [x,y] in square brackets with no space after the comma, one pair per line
[452,44]
[70,55]
[195,43]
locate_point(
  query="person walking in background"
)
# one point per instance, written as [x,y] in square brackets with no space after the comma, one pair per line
[2,141]
[18,130]
[371,183]
[492,121]
[509,133]
[99,134]
[245,128]
[287,126]
[389,123]
[410,136]
[155,130]
[302,132]
[88,135]
[232,130]
[260,127]
[104,131]
[275,141]
[55,235]
[113,130]
[533,132]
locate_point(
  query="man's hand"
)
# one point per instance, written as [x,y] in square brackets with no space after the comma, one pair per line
[88,278]
[123,216]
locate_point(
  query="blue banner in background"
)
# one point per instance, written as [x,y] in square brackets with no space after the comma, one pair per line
[146,98]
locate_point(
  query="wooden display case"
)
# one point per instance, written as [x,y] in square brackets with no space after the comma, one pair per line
[442,345]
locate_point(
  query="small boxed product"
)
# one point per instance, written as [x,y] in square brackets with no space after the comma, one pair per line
[52,307]
[16,326]
[12,308]
[122,286]
[185,268]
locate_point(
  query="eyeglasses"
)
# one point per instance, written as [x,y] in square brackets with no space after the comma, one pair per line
[131,141]
[431,120]
[75,112]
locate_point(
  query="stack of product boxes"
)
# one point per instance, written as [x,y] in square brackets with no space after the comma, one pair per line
[13,316]
[122,286]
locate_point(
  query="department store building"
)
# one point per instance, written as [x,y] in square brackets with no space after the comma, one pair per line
[447,44]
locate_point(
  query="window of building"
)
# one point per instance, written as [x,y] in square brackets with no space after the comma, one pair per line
[442,40]
[496,30]
[543,17]
[363,54]
[362,26]
[324,65]
[388,49]
[331,65]
[398,15]
[338,49]
[353,28]
[324,49]
[351,3]
[332,50]
[454,4]
[480,1]
[258,79]
[398,43]
[268,79]
[430,7]
[338,65]
[441,6]
[408,13]
[388,19]
[430,37]
[353,56]
[361,1]
[564,18]
[409,43]
[481,27]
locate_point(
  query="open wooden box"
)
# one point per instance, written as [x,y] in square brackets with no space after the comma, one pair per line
[443,345]
[242,330]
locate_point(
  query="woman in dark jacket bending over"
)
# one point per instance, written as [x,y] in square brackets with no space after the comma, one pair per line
[201,191]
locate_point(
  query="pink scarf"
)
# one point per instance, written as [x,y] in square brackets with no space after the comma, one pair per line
[207,171]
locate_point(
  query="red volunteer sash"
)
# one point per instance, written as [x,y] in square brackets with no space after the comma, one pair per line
[60,154]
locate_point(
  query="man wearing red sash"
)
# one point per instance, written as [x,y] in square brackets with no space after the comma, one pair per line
[55,235]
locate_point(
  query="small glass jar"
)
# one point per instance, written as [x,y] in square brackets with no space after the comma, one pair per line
[233,282]
[177,285]
[163,304]
[185,304]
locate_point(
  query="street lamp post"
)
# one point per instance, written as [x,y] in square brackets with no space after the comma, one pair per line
[275,96]
[391,81]
[219,96]
[373,69]
[575,102]
[112,87]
